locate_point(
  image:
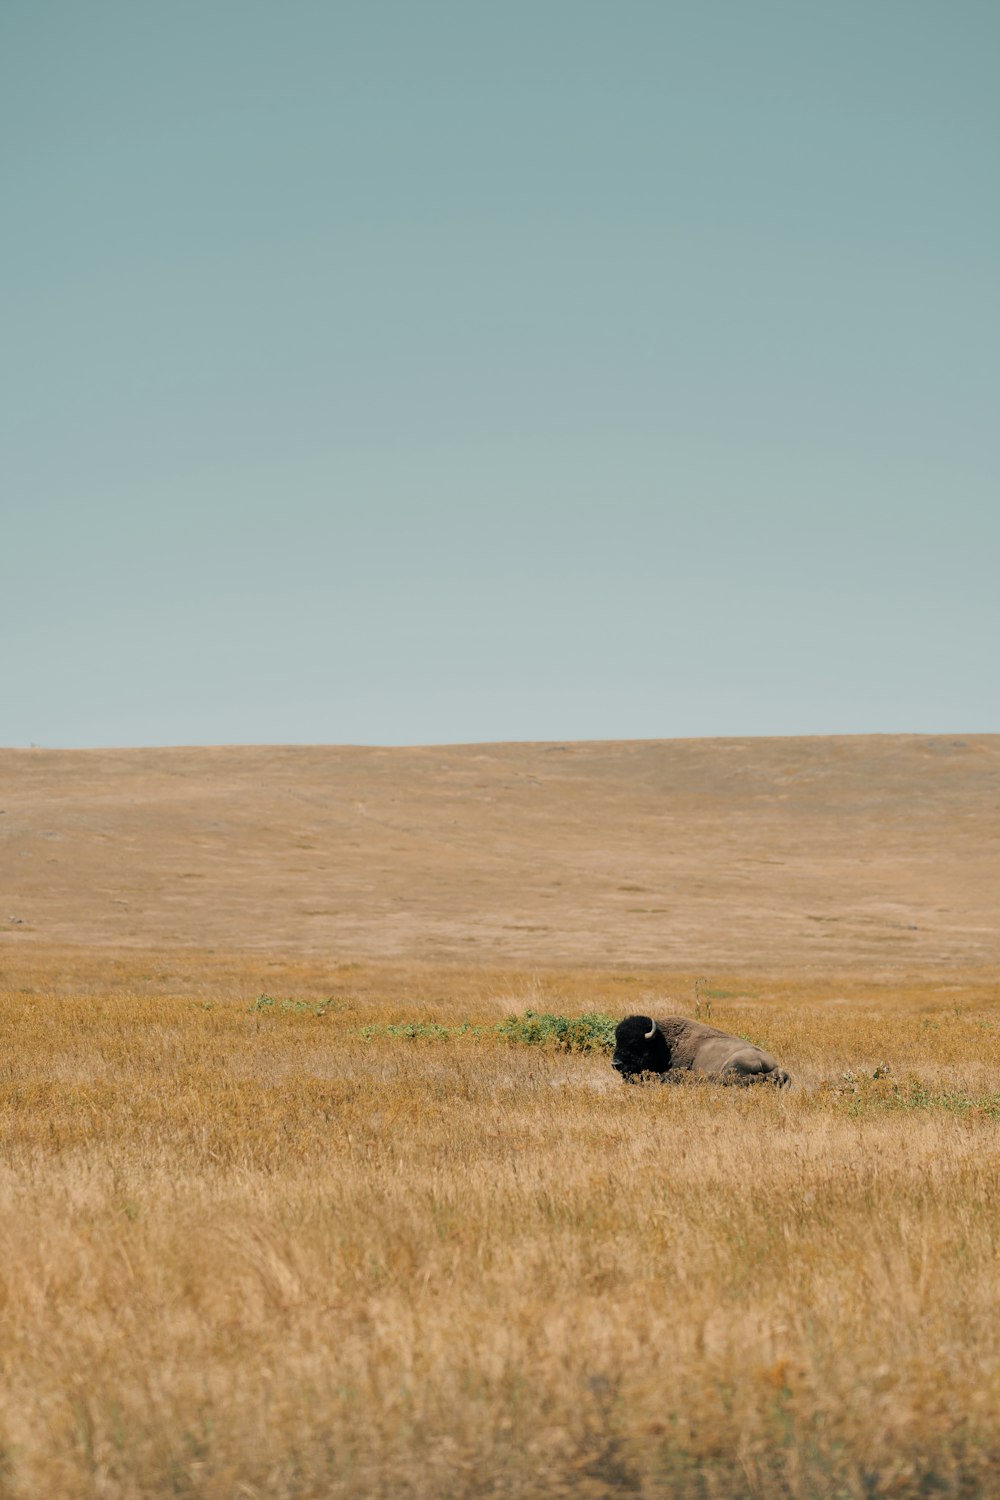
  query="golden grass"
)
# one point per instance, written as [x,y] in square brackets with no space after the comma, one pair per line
[247,1253]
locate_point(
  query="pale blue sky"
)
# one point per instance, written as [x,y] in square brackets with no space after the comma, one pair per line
[423,372]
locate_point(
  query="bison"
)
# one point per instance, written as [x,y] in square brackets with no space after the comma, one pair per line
[675,1044]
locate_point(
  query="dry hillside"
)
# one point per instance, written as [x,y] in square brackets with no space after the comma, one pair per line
[876,852]
[292,1205]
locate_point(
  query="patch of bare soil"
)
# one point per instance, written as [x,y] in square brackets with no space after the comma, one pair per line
[881,852]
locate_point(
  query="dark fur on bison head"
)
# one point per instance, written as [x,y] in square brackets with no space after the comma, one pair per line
[640,1047]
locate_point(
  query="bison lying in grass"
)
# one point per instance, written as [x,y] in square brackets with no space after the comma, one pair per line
[676,1045]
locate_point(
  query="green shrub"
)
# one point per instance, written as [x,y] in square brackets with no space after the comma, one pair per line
[591,1032]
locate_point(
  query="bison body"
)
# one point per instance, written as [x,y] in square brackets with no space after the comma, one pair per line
[675,1044]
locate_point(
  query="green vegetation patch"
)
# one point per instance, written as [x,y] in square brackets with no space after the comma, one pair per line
[266,1004]
[591,1032]
[420,1031]
[864,1093]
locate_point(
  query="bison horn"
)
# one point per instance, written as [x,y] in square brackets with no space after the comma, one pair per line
[649,1035]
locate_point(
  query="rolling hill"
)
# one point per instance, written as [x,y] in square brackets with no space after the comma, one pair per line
[838,852]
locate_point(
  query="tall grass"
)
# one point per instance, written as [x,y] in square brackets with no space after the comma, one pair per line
[255,1252]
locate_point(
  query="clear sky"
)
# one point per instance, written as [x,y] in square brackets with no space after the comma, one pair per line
[395,372]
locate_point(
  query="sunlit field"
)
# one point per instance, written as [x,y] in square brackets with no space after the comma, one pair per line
[348,1240]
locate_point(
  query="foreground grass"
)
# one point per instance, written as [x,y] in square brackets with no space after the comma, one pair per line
[294,1251]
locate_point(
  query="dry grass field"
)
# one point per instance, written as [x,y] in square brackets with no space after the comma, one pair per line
[290,1216]
[858,852]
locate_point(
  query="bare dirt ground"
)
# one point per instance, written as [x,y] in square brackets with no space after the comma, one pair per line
[873,853]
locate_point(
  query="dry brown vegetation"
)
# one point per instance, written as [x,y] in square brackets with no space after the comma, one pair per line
[330,1247]
[858,852]
[248,1252]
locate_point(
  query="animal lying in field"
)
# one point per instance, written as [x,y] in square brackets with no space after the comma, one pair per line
[676,1045]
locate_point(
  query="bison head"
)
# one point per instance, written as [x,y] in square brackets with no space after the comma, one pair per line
[640,1047]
